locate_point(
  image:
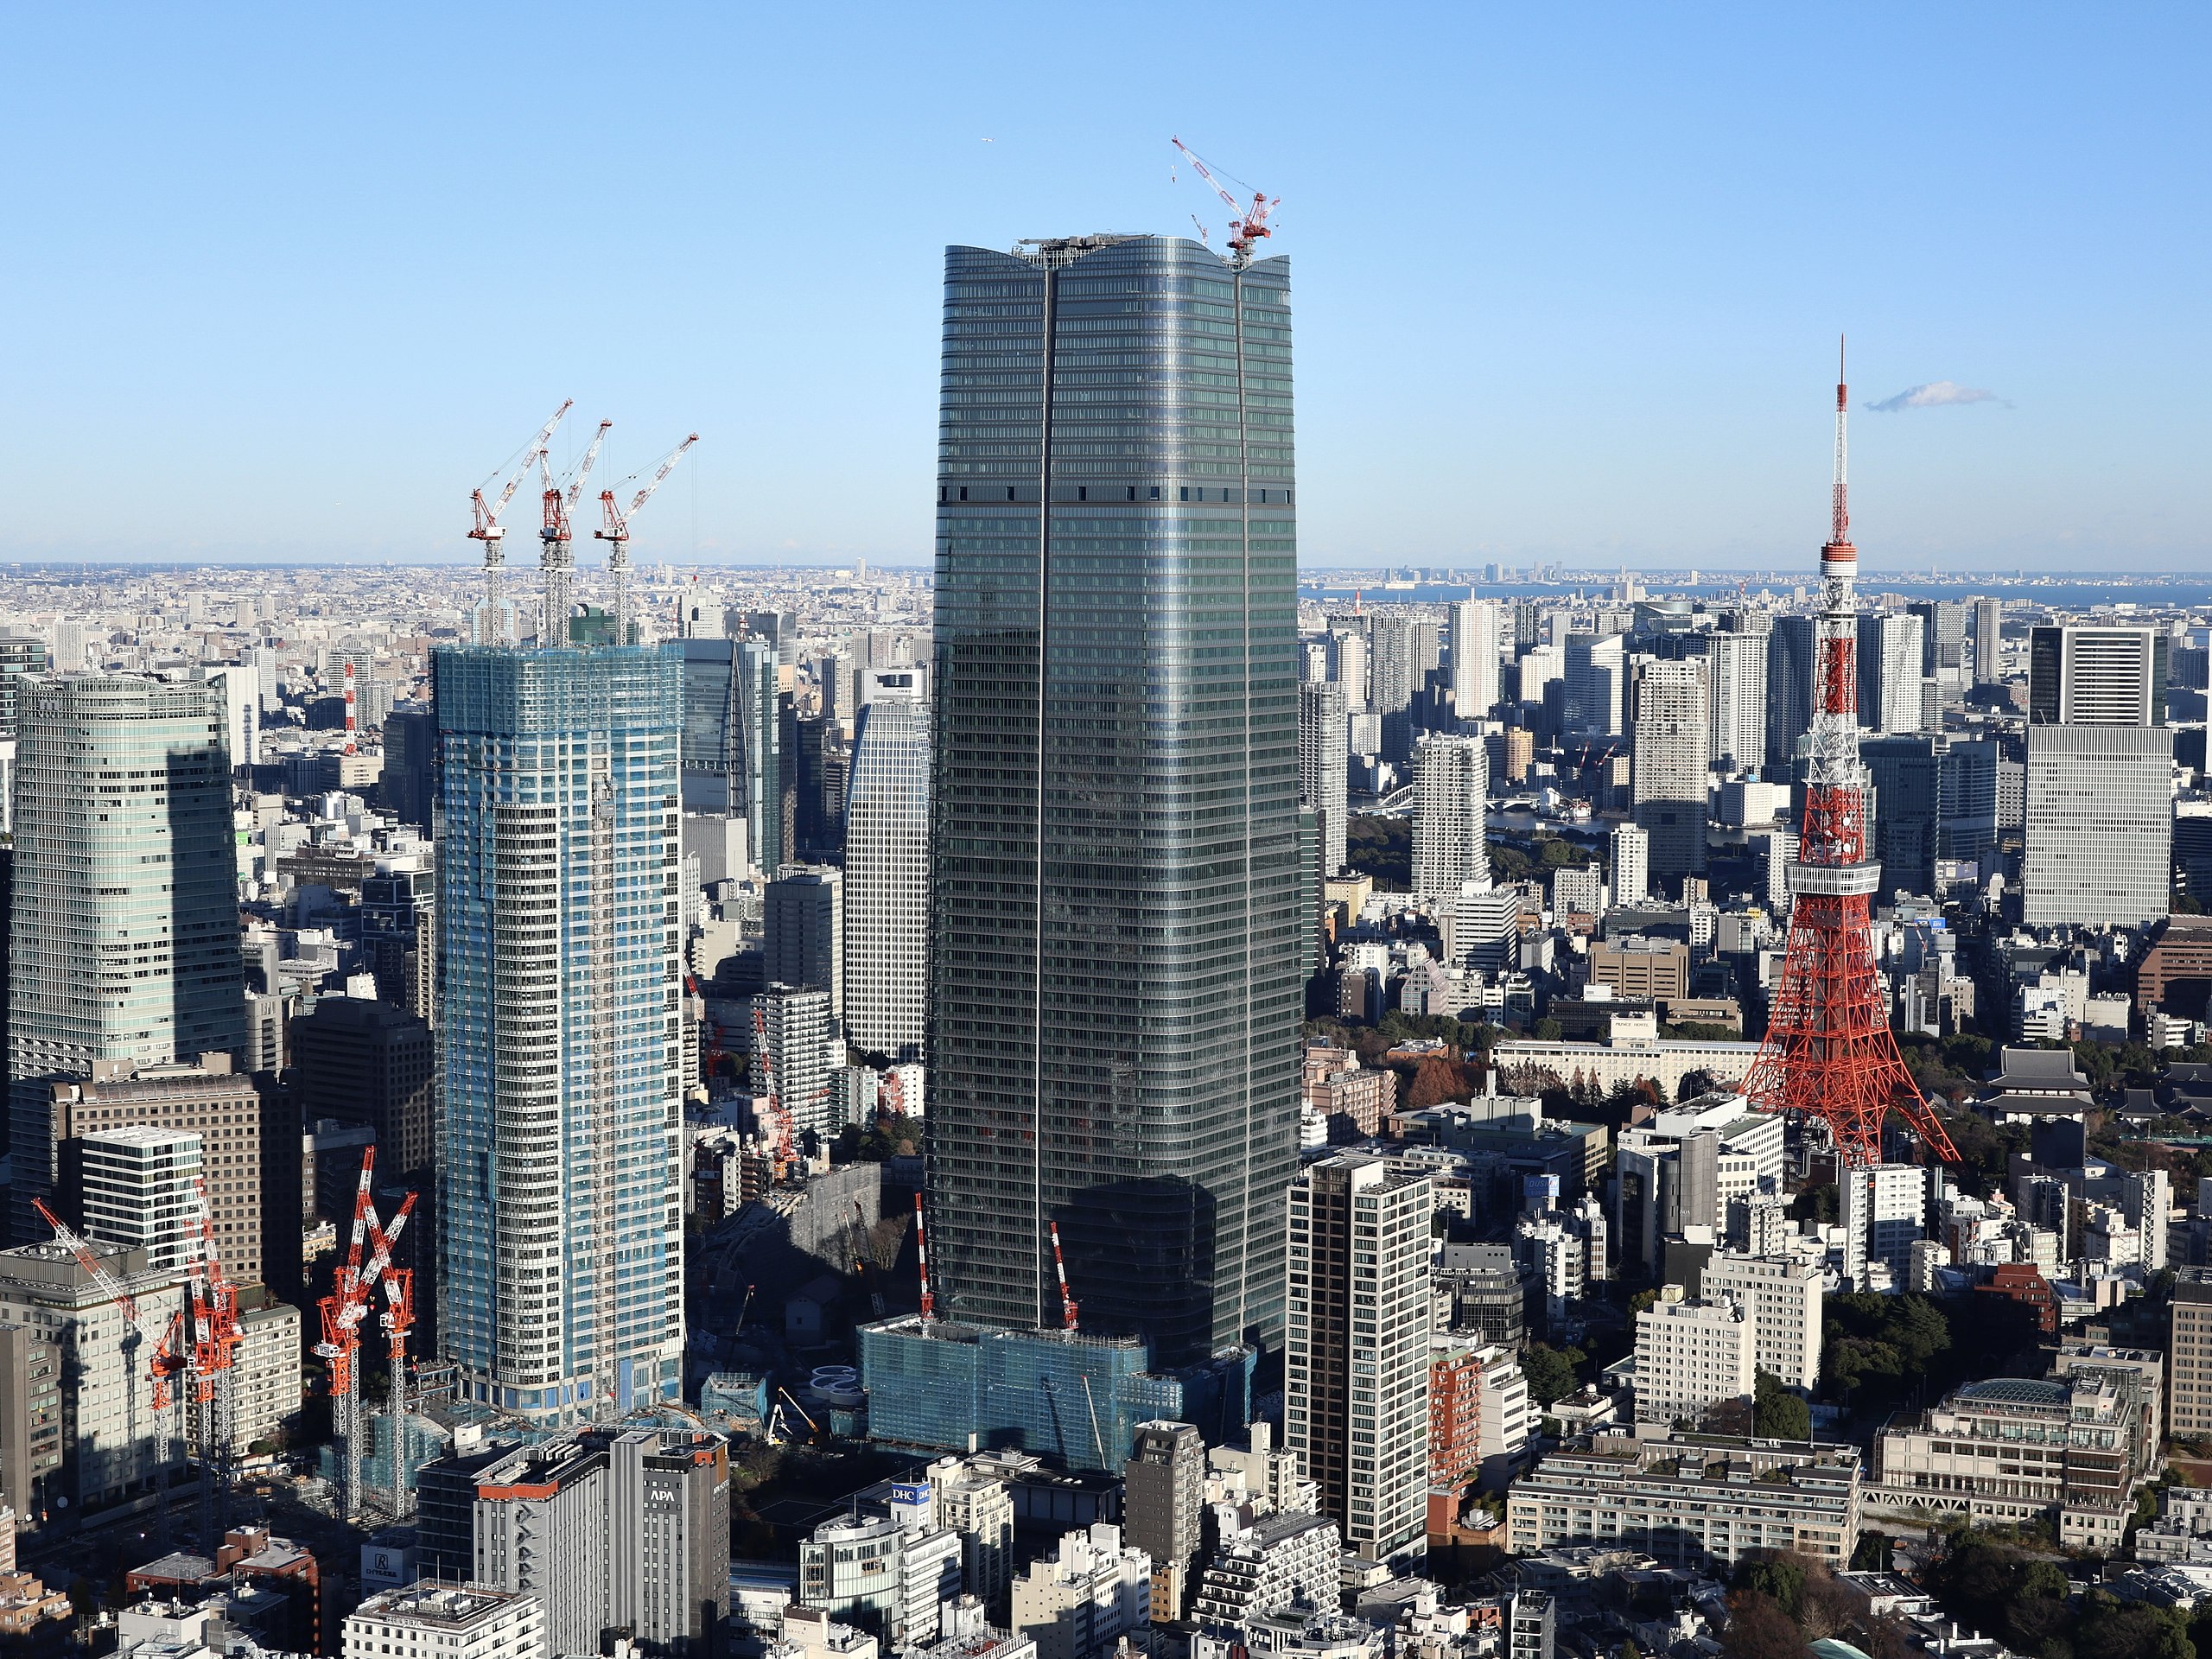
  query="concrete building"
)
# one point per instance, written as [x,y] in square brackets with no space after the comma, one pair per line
[1324,763]
[138,1188]
[2013,1449]
[108,1439]
[1737,675]
[2189,1355]
[871,1572]
[796,1055]
[268,1389]
[1162,1510]
[1451,783]
[976,1506]
[1890,654]
[1076,1603]
[561,1287]
[222,1108]
[430,1620]
[1885,1211]
[1474,657]
[1671,709]
[2099,830]
[124,944]
[1630,853]
[1356,1378]
[886,874]
[30,1427]
[1640,967]
[1783,1299]
[358,1061]
[1988,641]
[1690,1357]
[668,1542]
[1594,674]
[539,1529]
[2097,676]
[803,931]
[1286,1560]
[1704,1501]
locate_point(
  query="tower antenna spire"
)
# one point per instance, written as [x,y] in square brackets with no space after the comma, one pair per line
[1840,503]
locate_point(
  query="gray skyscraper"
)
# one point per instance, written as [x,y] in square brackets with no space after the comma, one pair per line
[561,1297]
[886,874]
[1889,674]
[2098,811]
[803,931]
[1737,665]
[1116,906]
[1988,641]
[1323,764]
[1942,642]
[123,940]
[1596,666]
[1789,660]
[1672,770]
[732,750]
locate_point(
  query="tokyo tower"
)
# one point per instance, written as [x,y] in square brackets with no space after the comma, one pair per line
[1828,1051]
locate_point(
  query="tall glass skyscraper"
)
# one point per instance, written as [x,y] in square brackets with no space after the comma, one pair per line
[124,931]
[1114,977]
[561,1297]
[734,758]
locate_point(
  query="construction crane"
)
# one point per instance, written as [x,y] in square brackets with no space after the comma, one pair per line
[615,532]
[922,1260]
[164,1364]
[397,1320]
[488,530]
[1248,225]
[774,1124]
[1067,1299]
[556,557]
[342,1312]
[212,1336]
[861,1262]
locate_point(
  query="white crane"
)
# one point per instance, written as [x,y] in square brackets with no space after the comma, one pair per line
[555,556]
[488,530]
[615,532]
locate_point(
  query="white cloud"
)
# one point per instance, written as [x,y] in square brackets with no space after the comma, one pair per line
[1934,395]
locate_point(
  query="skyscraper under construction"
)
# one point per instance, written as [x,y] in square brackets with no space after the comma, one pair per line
[1116,984]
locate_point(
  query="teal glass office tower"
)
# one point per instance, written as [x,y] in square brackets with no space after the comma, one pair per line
[125,927]
[561,1297]
[1115,978]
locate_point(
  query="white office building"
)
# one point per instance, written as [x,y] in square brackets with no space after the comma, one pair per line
[1324,765]
[430,1620]
[1690,1357]
[1736,663]
[887,877]
[1474,657]
[1885,1211]
[1630,850]
[141,1190]
[1077,1602]
[1783,1299]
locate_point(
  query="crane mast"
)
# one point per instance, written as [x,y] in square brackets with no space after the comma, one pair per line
[615,532]
[487,528]
[556,557]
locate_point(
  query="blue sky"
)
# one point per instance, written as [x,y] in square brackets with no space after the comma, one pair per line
[289,280]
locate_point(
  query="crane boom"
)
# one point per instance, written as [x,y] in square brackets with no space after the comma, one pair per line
[617,526]
[488,528]
[1249,223]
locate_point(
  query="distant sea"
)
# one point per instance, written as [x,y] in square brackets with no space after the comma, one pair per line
[2156,590]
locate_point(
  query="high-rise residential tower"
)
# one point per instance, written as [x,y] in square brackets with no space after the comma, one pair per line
[1791,652]
[887,873]
[124,935]
[1452,774]
[1474,657]
[1672,706]
[1115,896]
[1737,667]
[1988,641]
[1324,765]
[1890,656]
[561,1294]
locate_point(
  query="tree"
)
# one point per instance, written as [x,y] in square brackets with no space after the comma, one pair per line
[1819,1204]
[2110,1630]
[1778,1412]
[1437,1079]
[1758,1629]
[1552,1373]
[1779,1576]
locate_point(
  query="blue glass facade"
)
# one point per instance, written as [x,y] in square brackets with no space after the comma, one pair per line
[733,752]
[1114,895]
[1076,1401]
[562,1294]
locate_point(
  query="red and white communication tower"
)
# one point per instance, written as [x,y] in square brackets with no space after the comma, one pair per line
[1828,1051]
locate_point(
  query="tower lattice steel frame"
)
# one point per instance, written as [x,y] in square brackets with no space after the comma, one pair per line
[1829,1051]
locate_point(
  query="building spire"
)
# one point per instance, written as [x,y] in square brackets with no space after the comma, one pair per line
[1840,501]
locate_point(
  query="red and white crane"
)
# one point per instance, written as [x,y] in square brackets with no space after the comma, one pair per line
[615,532]
[488,530]
[1248,222]
[212,1336]
[1067,1297]
[344,1310]
[775,1122]
[397,1320]
[922,1258]
[556,557]
[164,1364]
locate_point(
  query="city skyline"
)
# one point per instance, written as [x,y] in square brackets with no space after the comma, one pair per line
[1459,198]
